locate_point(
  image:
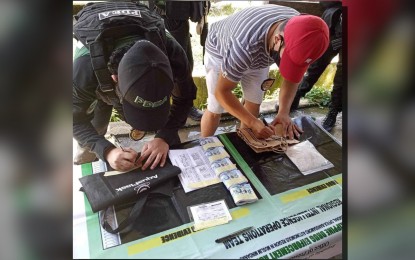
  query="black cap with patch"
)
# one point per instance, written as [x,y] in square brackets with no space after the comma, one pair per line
[145,81]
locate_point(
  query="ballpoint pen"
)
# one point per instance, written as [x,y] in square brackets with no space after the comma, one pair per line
[265,122]
[118,143]
[222,239]
[136,158]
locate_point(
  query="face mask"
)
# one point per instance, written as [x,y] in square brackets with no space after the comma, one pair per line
[275,55]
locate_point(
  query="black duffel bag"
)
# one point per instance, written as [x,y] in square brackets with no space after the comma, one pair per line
[103,191]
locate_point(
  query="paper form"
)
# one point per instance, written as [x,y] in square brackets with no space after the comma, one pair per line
[210,214]
[195,166]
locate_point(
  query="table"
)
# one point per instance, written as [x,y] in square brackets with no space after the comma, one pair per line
[296,216]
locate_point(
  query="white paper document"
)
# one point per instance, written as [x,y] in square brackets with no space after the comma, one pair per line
[210,214]
[99,166]
[196,170]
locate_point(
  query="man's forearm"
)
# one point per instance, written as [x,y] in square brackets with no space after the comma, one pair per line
[286,96]
[231,104]
[88,137]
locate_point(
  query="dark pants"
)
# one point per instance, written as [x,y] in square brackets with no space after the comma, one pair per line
[314,72]
[179,29]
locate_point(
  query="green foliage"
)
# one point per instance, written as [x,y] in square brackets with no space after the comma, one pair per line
[226,9]
[272,94]
[238,91]
[319,96]
[115,117]
[326,79]
[202,106]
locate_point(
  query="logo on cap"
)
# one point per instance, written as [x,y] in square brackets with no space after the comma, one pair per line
[149,104]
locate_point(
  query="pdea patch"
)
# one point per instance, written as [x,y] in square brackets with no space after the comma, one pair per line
[126,12]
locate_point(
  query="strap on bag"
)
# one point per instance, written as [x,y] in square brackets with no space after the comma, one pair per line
[127,224]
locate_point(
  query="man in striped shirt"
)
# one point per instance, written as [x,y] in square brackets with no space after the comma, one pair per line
[241,47]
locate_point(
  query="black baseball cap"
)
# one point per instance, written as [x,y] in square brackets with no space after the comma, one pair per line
[145,81]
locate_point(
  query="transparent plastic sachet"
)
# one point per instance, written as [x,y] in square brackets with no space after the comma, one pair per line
[307,159]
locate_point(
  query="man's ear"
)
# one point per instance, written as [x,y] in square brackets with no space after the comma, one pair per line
[114,78]
[274,41]
[278,39]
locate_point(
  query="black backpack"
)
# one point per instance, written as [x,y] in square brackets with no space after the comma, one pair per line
[98,25]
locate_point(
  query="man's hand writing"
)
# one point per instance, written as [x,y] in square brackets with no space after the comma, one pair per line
[262,131]
[121,160]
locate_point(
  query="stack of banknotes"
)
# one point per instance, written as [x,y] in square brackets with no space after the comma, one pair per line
[227,171]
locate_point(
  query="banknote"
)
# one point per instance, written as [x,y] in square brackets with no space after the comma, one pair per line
[232,177]
[209,142]
[216,153]
[222,165]
[243,193]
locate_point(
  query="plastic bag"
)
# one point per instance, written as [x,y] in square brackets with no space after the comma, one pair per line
[307,159]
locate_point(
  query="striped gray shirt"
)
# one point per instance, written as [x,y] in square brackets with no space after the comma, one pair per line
[240,39]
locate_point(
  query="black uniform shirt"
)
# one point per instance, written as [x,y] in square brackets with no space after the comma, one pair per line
[84,97]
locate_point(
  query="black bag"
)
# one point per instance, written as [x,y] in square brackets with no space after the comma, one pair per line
[105,191]
[98,25]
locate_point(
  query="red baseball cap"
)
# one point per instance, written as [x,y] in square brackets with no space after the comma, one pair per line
[306,38]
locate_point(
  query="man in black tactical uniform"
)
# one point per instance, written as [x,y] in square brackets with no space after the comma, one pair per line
[176,15]
[146,78]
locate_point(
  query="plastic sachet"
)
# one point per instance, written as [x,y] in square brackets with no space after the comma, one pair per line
[307,159]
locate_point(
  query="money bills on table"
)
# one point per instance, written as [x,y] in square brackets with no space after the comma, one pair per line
[222,165]
[242,194]
[216,153]
[227,172]
[210,142]
[232,177]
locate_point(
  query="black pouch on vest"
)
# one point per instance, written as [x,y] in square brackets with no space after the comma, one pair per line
[104,191]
